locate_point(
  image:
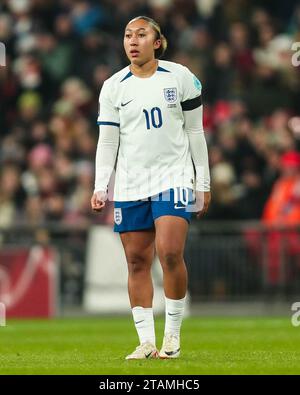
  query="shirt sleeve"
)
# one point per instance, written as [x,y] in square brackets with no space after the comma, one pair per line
[198,148]
[108,113]
[108,141]
[106,155]
[191,91]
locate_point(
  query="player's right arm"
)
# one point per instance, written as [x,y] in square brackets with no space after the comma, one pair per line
[107,147]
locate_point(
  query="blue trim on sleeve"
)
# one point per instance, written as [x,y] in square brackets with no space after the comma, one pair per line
[162,69]
[108,123]
[127,76]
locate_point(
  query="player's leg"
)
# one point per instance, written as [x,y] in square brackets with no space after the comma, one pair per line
[134,222]
[172,216]
[170,240]
[139,251]
[171,234]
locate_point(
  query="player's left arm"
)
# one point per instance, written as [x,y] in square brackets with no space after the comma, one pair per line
[199,153]
[193,124]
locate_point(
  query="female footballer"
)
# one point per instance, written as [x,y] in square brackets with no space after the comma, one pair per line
[151,132]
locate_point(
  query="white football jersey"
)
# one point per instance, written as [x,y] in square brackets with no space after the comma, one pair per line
[154,152]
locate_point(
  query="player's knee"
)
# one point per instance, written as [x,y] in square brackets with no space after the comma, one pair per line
[170,259]
[137,263]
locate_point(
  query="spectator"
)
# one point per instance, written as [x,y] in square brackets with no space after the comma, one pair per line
[283,206]
[59,54]
[282,209]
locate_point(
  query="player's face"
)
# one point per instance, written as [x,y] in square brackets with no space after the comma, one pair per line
[140,42]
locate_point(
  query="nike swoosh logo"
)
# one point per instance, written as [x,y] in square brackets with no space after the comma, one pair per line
[125,104]
[173,313]
[148,355]
[137,322]
[176,207]
[172,352]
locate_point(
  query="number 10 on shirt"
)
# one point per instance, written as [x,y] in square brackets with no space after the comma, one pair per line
[154,118]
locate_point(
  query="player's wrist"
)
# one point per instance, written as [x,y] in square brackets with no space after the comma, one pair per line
[102,194]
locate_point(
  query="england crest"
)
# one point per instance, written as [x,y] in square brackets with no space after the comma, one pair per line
[170,94]
[118,216]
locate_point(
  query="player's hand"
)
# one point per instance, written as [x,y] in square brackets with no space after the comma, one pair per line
[98,201]
[202,202]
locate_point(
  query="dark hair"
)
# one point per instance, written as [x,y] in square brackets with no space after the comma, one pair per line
[159,36]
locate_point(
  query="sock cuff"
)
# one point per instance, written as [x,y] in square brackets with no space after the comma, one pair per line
[137,308]
[175,300]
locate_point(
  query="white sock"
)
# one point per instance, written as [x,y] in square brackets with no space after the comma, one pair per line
[144,324]
[174,315]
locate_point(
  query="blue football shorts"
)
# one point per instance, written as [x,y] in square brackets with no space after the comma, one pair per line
[141,214]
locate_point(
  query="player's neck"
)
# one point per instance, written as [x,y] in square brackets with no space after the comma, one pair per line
[145,70]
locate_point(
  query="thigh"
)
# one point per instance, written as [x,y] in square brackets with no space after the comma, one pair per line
[171,232]
[175,202]
[138,245]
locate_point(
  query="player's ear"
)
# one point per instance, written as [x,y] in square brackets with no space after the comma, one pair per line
[157,43]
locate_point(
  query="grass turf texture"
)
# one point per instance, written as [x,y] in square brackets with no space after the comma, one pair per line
[99,345]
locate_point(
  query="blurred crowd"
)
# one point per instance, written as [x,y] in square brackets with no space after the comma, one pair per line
[59,53]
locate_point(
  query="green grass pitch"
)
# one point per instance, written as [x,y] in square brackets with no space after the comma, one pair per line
[99,345]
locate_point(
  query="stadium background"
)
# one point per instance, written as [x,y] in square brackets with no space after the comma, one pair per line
[58,53]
